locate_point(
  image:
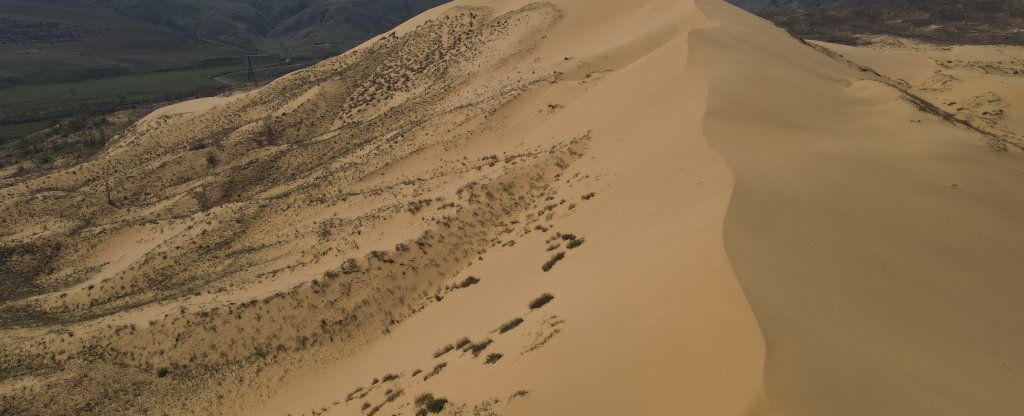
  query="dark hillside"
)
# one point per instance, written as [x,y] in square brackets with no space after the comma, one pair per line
[67,58]
[935,21]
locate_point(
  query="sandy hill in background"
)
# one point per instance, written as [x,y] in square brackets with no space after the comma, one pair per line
[508,207]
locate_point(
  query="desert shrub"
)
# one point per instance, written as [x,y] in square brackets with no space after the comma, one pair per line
[389,377]
[353,394]
[350,266]
[162,372]
[462,343]
[437,370]
[479,347]
[391,396]
[588,196]
[541,301]
[470,281]
[427,404]
[554,259]
[510,325]
[423,399]
[493,358]
[444,350]
[381,257]
[574,243]
[416,206]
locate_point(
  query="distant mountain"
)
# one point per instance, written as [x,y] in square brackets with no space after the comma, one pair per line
[938,21]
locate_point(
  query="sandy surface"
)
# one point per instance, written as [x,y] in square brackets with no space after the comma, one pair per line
[980,85]
[726,221]
[879,246]
[189,108]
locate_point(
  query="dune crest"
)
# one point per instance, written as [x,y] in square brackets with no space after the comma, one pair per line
[874,226]
[502,207]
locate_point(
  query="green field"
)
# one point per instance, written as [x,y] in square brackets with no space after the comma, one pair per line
[26,108]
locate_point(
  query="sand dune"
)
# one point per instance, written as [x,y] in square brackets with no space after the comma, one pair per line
[877,244]
[508,207]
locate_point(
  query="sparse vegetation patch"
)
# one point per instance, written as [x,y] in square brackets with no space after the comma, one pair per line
[437,370]
[574,243]
[354,394]
[552,261]
[541,301]
[479,347]
[510,325]
[518,394]
[427,404]
[470,281]
[444,350]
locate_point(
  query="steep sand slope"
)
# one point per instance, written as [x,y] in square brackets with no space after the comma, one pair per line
[309,237]
[647,316]
[880,247]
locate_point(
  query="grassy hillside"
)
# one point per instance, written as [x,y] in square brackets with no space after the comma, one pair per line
[935,21]
[62,40]
[61,58]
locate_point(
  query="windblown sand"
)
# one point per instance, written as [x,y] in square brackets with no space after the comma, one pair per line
[724,220]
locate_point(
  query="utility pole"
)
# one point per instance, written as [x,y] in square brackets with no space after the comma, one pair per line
[252,73]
